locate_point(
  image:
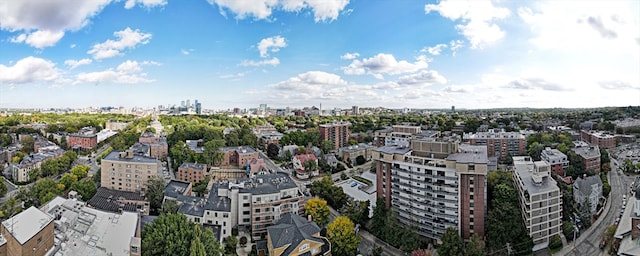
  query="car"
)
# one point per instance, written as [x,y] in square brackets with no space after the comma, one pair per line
[624,197]
[353,184]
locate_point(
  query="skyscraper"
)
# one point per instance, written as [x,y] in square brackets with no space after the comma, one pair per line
[336,132]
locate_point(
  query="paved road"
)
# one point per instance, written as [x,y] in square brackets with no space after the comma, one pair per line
[587,243]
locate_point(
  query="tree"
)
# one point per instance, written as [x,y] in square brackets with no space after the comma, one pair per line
[230,244]
[609,239]
[310,166]
[3,187]
[27,144]
[63,142]
[341,233]
[174,234]
[68,179]
[80,171]
[169,206]
[451,243]
[273,150]
[200,188]
[475,247]
[360,160]
[327,146]
[319,211]
[85,188]
[155,193]
[357,211]
[211,150]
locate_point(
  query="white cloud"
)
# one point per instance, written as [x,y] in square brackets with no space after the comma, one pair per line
[617,85]
[610,27]
[454,45]
[39,39]
[44,22]
[477,19]
[383,64]
[186,52]
[128,72]
[252,63]
[29,69]
[234,76]
[435,50]
[323,10]
[146,3]
[271,44]
[126,39]
[350,56]
[535,84]
[76,63]
[424,77]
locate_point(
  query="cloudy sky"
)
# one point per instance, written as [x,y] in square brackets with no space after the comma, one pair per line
[407,53]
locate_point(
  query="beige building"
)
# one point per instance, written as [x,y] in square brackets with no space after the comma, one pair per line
[28,233]
[540,200]
[125,171]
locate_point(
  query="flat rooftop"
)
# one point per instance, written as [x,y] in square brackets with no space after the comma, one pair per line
[27,224]
[115,156]
[393,150]
[525,170]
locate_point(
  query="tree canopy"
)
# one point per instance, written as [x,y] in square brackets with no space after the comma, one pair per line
[342,235]
[174,234]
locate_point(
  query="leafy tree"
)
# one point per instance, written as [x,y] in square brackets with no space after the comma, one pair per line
[80,171]
[357,211]
[360,160]
[451,243]
[211,150]
[63,142]
[567,230]
[310,166]
[608,236]
[27,144]
[324,189]
[475,247]
[174,234]
[68,179]
[155,193]
[230,244]
[555,242]
[318,210]
[327,146]
[3,187]
[273,150]
[341,234]
[169,206]
[85,188]
[197,247]
[200,188]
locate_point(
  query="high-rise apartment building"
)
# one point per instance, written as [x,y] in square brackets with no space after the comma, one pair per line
[336,132]
[435,184]
[540,199]
[125,171]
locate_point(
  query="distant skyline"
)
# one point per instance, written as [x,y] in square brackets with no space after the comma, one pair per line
[475,54]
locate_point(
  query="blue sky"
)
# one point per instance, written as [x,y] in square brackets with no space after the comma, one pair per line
[227,53]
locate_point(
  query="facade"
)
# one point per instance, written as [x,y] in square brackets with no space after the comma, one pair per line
[251,204]
[540,199]
[157,147]
[599,139]
[20,171]
[336,132]
[434,185]
[588,189]
[499,143]
[238,157]
[590,157]
[115,125]
[29,232]
[558,162]
[294,235]
[350,153]
[192,172]
[125,171]
[82,141]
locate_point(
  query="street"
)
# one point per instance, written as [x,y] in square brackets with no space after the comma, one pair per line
[587,243]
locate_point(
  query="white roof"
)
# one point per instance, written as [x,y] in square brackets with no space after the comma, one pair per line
[27,224]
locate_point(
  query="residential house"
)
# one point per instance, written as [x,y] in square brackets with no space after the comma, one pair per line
[588,189]
[294,235]
[299,162]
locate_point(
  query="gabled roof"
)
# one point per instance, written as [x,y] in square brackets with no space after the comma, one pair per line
[291,230]
[585,185]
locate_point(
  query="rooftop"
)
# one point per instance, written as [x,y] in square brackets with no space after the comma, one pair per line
[587,152]
[196,206]
[176,188]
[291,230]
[470,154]
[534,182]
[266,183]
[196,166]
[115,156]
[27,224]
[393,150]
[239,149]
[110,200]
[90,231]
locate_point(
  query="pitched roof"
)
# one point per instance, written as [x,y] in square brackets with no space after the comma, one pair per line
[585,185]
[291,230]
[107,200]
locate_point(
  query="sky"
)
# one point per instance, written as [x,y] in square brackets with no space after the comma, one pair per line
[474,54]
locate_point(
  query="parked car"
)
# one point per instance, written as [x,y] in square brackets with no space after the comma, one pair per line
[353,184]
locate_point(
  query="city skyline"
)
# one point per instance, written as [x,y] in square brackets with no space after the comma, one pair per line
[227,54]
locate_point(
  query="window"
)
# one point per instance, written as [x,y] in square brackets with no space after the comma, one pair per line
[39,239]
[225,215]
[196,220]
[257,210]
[303,247]
[134,249]
[471,167]
[246,212]
[257,218]
[470,197]
[246,220]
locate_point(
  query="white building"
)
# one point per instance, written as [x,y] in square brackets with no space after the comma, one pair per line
[540,200]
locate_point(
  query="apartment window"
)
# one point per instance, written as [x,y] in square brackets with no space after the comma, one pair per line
[470,212]
[470,181]
[224,223]
[216,214]
[196,220]
[471,167]
[225,215]
[134,249]
[246,205]
[257,210]
[257,218]
[246,212]
[470,197]
[246,220]
[471,190]
[245,197]
[39,239]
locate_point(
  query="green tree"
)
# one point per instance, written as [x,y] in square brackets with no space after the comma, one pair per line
[273,150]
[173,234]
[475,247]
[27,144]
[360,160]
[230,244]
[451,243]
[85,188]
[200,188]
[211,150]
[357,211]
[169,206]
[319,211]
[68,179]
[80,171]
[3,187]
[155,193]
[341,234]
[327,146]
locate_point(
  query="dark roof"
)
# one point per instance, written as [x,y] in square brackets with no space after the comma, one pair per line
[584,185]
[140,148]
[291,230]
[147,219]
[271,183]
[107,200]
[195,206]
[175,188]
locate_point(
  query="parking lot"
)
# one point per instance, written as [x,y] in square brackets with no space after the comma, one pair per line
[353,189]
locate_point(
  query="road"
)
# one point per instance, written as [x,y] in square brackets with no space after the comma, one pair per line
[587,243]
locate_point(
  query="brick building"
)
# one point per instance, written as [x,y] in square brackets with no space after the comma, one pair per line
[336,132]
[82,141]
[192,172]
